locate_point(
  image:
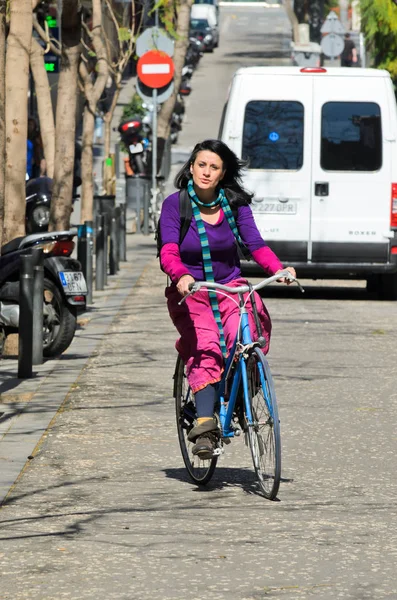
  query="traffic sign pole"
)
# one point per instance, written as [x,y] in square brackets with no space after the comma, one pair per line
[154,149]
[155,71]
[154,136]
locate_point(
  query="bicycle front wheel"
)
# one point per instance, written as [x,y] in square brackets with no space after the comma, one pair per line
[264,430]
[199,470]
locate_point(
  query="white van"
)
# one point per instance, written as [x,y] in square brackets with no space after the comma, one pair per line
[321,145]
[205,11]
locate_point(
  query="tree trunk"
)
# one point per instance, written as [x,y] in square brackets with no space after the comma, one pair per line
[44,104]
[61,203]
[108,170]
[93,93]
[301,10]
[293,20]
[181,44]
[109,115]
[16,119]
[87,186]
[3,7]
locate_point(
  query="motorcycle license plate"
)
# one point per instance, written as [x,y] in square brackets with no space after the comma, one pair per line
[136,148]
[73,282]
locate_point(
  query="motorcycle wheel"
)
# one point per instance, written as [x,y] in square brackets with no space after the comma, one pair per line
[60,325]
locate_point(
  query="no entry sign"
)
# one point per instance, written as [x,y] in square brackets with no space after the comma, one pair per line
[155,69]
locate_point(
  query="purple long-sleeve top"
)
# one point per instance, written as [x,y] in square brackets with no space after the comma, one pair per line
[186,258]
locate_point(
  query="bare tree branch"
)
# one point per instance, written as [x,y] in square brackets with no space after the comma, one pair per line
[45,37]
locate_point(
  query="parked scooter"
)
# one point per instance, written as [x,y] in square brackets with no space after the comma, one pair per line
[134,139]
[38,202]
[65,288]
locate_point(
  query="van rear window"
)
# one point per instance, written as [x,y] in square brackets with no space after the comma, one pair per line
[351,136]
[273,135]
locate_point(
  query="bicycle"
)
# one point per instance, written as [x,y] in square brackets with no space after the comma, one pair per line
[246,399]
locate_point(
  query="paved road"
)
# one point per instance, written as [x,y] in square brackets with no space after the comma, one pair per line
[104,509]
[248,36]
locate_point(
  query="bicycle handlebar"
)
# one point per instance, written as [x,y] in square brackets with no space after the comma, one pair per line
[242,289]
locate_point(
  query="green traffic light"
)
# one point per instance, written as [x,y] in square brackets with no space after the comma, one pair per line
[50,67]
[51,22]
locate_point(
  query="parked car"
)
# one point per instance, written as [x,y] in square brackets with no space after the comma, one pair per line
[200,29]
[322,152]
[204,25]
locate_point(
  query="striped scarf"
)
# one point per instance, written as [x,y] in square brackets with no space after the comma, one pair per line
[205,248]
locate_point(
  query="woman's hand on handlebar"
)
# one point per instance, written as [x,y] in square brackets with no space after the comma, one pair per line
[183,284]
[285,279]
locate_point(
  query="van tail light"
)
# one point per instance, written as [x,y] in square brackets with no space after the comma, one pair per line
[317,69]
[393,207]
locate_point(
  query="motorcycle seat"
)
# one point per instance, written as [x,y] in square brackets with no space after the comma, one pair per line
[11,246]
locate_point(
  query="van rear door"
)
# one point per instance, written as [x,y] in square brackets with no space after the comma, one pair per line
[351,172]
[273,132]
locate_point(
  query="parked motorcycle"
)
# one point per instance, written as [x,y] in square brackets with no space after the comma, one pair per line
[38,202]
[65,288]
[194,52]
[134,139]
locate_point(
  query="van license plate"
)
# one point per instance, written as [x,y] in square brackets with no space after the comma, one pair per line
[275,208]
[73,282]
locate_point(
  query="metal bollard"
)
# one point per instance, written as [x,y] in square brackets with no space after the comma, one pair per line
[113,267]
[117,159]
[146,214]
[105,249]
[38,302]
[90,253]
[99,251]
[139,197]
[84,255]
[118,234]
[122,235]
[25,328]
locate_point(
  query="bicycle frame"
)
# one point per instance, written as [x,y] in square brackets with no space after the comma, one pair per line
[226,411]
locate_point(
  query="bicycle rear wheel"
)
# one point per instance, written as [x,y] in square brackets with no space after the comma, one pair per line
[264,432]
[199,470]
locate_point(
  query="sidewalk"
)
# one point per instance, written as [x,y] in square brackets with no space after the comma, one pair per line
[30,405]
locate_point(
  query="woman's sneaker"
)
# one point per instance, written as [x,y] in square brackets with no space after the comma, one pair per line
[205,445]
[205,438]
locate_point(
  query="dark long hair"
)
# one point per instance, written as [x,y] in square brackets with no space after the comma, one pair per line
[231,182]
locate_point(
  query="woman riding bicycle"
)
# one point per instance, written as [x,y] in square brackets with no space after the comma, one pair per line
[221,221]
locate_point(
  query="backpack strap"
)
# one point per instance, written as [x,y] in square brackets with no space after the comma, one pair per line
[185,214]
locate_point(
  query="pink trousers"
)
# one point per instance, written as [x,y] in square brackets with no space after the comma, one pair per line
[199,342]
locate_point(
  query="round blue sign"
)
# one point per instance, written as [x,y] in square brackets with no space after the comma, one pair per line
[273,136]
